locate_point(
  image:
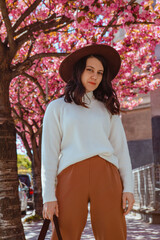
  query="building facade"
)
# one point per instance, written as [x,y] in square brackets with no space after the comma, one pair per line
[142,127]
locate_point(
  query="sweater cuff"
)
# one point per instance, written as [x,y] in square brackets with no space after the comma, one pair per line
[49,199]
[129,188]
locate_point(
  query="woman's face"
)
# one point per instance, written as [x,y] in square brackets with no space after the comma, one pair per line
[92,75]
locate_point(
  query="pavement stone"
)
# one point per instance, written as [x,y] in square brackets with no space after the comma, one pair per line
[136,229]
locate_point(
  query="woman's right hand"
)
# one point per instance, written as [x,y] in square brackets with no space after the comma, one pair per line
[49,209]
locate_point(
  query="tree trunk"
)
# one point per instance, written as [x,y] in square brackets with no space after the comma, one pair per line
[37,190]
[11,227]
[34,153]
[36,171]
[10,220]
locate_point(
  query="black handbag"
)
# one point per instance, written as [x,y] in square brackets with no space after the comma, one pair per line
[45,227]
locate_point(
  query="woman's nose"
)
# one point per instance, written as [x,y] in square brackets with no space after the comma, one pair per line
[94,75]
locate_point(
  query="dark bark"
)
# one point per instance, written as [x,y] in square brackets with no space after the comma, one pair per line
[10,221]
[36,171]
[8,25]
[4,99]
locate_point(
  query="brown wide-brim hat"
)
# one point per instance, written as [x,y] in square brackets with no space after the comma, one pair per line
[109,53]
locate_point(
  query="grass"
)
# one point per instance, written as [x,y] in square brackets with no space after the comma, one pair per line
[33,218]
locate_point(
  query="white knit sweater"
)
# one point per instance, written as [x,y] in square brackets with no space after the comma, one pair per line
[72,133]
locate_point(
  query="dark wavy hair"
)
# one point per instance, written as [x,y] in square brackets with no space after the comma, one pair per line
[74,89]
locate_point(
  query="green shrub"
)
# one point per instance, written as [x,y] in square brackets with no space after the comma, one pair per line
[24,164]
[33,218]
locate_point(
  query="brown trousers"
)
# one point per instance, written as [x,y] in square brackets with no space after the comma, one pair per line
[97,181]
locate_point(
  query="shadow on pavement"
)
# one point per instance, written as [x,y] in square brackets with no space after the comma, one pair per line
[137,230]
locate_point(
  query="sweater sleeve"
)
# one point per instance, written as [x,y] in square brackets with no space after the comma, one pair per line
[51,142]
[119,142]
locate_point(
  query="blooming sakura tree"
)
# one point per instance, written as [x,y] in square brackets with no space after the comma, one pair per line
[35,36]
[24,25]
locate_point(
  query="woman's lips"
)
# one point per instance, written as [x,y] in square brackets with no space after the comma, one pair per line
[93,83]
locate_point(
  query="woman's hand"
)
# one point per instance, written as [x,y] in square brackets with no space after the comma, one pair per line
[49,209]
[127,201]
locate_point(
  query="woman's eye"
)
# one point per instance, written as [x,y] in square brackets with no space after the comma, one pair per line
[100,73]
[88,69]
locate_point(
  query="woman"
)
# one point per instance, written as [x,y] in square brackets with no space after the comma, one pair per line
[85,156]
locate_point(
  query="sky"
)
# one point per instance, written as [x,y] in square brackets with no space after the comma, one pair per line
[20,150]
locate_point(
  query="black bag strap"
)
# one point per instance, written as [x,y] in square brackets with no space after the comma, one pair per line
[55,219]
[45,227]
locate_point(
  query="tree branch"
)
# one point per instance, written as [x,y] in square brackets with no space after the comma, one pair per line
[39,26]
[115,17]
[42,55]
[25,142]
[30,49]
[22,120]
[42,25]
[56,29]
[35,124]
[109,24]
[1,45]
[58,89]
[40,106]
[33,79]
[21,67]
[119,25]
[36,26]
[8,25]
[147,23]
[39,132]
[29,93]
[2,50]
[26,14]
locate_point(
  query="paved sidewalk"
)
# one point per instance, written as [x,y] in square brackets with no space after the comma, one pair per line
[137,230]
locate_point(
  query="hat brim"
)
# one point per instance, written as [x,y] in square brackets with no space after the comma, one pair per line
[109,53]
